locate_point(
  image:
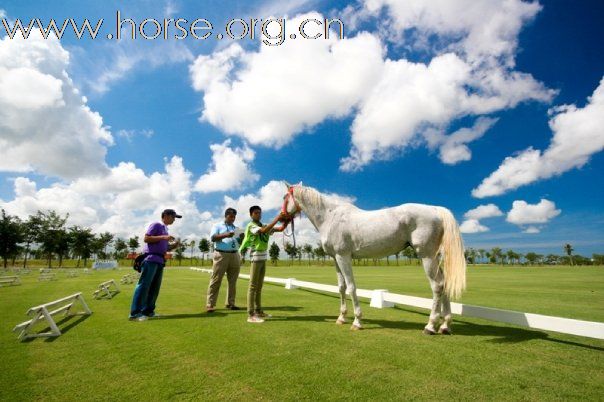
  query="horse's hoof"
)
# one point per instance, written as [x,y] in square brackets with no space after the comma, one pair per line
[429,332]
[444,331]
[355,327]
[340,322]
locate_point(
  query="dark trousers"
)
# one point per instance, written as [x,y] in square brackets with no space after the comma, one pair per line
[147,289]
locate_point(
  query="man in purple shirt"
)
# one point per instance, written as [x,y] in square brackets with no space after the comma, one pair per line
[157,243]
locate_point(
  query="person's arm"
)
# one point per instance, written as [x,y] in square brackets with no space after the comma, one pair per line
[221,236]
[215,236]
[280,228]
[270,226]
[152,234]
[155,239]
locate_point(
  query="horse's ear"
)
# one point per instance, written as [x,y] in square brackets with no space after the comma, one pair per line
[287,184]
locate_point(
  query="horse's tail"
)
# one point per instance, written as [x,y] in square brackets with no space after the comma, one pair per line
[452,252]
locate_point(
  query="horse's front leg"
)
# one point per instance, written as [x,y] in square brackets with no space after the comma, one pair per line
[342,288]
[345,264]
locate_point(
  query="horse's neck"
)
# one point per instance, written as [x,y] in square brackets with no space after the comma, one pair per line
[317,212]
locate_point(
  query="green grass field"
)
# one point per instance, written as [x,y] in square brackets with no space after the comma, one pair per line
[300,353]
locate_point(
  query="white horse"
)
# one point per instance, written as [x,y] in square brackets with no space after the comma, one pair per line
[348,232]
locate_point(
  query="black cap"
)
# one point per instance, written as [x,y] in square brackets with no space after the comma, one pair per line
[171,212]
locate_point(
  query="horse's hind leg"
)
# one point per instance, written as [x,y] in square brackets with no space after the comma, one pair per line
[342,288]
[436,278]
[445,327]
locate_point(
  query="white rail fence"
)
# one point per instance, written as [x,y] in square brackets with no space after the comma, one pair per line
[381,298]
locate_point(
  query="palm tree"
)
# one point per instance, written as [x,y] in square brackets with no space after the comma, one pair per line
[569,252]
[308,251]
[133,244]
[192,245]
[531,257]
[497,254]
[320,253]
[482,253]
[204,247]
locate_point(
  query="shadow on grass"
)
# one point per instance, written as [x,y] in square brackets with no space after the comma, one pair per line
[500,334]
[191,315]
[283,308]
[63,330]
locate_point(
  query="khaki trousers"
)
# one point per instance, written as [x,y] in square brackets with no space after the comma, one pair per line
[254,291]
[228,263]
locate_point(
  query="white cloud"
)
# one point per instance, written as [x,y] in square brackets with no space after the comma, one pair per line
[523,213]
[453,148]
[532,230]
[483,211]
[129,135]
[269,96]
[122,58]
[413,99]
[577,135]
[2,13]
[124,201]
[472,226]
[269,198]
[46,125]
[229,170]
[478,28]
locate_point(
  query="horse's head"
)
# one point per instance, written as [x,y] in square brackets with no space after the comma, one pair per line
[290,206]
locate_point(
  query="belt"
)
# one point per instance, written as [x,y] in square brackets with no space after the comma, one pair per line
[223,251]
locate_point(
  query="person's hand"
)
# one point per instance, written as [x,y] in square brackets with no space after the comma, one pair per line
[283,216]
[170,238]
[230,234]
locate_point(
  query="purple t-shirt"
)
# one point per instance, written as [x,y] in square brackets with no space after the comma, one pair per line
[161,247]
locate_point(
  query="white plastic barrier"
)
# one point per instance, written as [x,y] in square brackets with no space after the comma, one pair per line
[130,278]
[9,281]
[47,276]
[107,289]
[380,297]
[43,312]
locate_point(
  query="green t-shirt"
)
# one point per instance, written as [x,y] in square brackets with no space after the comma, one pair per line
[254,240]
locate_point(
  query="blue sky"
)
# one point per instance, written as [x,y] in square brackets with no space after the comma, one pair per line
[361,99]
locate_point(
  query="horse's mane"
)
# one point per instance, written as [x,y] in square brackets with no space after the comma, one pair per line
[313,198]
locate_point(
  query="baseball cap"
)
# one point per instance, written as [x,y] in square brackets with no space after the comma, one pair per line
[170,212]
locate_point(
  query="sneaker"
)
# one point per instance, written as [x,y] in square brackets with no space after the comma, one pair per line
[210,309]
[262,314]
[143,318]
[133,317]
[255,319]
[232,307]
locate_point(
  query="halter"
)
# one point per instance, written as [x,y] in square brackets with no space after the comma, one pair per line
[290,217]
[288,196]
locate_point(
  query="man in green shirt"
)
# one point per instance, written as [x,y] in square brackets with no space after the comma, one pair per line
[256,239]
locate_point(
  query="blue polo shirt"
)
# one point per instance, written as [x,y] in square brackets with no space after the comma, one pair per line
[226,244]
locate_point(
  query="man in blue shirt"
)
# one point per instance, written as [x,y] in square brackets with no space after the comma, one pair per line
[226,260]
[157,243]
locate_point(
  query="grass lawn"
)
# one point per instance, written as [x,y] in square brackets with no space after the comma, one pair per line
[300,353]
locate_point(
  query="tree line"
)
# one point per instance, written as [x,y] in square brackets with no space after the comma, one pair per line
[46,236]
